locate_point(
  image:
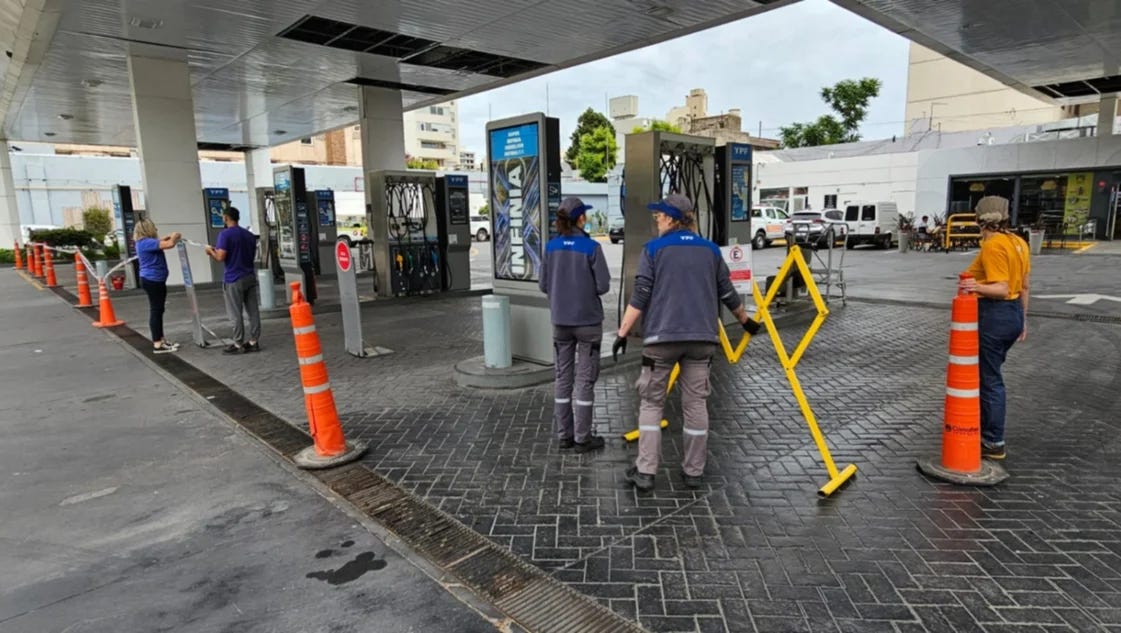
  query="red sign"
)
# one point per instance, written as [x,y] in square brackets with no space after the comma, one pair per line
[342,253]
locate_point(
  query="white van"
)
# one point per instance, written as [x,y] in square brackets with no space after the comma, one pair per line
[767,224]
[871,223]
[480,228]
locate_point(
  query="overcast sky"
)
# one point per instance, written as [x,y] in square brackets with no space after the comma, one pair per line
[771,66]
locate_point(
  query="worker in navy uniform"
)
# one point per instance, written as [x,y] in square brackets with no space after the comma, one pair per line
[574,274]
[681,281]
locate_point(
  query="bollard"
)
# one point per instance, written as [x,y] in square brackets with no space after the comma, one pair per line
[961,461]
[84,299]
[330,448]
[52,281]
[496,332]
[268,294]
[19,260]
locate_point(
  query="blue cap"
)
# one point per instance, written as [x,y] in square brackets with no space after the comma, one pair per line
[674,205]
[573,207]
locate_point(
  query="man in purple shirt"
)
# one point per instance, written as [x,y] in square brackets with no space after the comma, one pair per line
[236,249]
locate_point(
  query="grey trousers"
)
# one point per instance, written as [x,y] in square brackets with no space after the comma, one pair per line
[657,363]
[577,366]
[242,294]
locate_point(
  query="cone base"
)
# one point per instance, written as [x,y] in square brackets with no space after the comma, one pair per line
[310,460]
[990,474]
[79,305]
[111,324]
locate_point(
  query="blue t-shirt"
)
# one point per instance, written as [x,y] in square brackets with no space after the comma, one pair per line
[153,264]
[241,249]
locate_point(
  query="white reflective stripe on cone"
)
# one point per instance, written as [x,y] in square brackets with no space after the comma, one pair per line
[697,432]
[311,360]
[317,389]
[307,329]
[963,327]
[583,403]
[963,393]
[963,360]
[649,429]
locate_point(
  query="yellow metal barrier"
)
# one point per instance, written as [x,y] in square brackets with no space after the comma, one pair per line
[960,227]
[790,361]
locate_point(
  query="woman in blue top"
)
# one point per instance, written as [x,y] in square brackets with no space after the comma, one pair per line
[574,274]
[153,278]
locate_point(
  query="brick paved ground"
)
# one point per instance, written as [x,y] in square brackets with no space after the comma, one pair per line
[756,550]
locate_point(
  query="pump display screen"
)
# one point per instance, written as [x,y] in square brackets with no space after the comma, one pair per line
[286,226]
[516,201]
[741,192]
[217,202]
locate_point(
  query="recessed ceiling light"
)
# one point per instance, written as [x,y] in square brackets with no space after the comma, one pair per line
[350,109]
[146,23]
[92,83]
[971,25]
[66,117]
[48,133]
[280,132]
[659,12]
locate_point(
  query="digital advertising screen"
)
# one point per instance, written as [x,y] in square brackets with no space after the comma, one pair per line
[741,193]
[516,201]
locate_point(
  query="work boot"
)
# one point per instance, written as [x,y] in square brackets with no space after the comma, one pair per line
[592,443]
[692,481]
[642,481]
[567,442]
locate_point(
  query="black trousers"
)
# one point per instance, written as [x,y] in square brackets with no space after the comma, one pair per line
[157,296]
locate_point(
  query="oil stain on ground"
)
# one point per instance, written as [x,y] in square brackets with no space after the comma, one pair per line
[352,570]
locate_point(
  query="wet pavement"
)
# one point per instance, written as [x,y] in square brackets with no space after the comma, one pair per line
[756,549]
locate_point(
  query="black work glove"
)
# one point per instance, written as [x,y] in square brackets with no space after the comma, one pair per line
[751,326]
[620,345]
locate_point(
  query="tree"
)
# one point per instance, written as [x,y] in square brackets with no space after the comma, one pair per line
[97,222]
[849,100]
[420,163]
[484,210]
[588,122]
[657,125]
[597,154]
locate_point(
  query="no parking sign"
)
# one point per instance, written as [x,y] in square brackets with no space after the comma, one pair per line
[738,259]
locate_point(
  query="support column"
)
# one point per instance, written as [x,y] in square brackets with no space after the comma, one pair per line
[164,115]
[381,119]
[1107,114]
[9,210]
[258,173]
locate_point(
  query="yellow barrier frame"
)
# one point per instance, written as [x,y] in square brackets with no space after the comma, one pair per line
[790,361]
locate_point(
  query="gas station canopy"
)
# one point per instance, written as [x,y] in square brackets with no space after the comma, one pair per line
[270,71]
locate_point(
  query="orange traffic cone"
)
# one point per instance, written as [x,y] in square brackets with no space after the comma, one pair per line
[52,281]
[330,448]
[19,260]
[37,266]
[84,299]
[961,461]
[105,316]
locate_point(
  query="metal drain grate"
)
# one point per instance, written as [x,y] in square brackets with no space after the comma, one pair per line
[493,573]
[1088,318]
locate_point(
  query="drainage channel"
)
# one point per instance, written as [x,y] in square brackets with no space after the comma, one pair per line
[535,600]
[1088,318]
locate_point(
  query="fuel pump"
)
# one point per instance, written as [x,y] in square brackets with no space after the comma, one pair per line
[403,223]
[324,232]
[125,221]
[267,255]
[294,230]
[216,200]
[453,231]
[732,204]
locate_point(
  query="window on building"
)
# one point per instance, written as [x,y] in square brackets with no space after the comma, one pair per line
[830,201]
[305,141]
[437,110]
[432,145]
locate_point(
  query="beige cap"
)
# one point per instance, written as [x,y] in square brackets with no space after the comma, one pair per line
[992,210]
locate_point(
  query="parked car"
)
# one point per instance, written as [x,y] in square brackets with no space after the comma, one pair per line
[814,227]
[767,225]
[871,223]
[615,233]
[480,228]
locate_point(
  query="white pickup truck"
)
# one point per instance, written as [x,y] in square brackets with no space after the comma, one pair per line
[767,224]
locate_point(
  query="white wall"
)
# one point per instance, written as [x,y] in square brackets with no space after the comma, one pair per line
[878,177]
